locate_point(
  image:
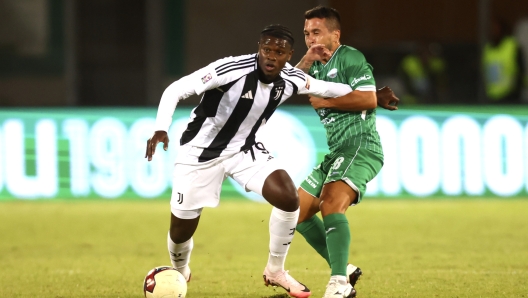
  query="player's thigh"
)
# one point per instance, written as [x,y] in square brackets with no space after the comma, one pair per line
[195,187]
[355,167]
[251,169]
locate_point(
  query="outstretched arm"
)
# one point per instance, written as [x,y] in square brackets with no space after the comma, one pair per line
[177,91]
[354,101]
[324,89]
[181,89]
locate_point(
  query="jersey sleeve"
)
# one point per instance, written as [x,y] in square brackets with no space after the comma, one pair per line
[358,72]
[308,85]
[212,76]
[319,88]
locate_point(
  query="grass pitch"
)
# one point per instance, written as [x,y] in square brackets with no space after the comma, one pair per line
[407,248]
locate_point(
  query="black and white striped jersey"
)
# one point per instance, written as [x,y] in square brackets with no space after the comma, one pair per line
[234,103]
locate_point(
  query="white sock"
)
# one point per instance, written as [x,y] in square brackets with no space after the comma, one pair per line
[180,255]
[281,227]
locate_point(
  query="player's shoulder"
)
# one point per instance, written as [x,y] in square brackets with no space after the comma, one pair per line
[350,53]
[235,63]
[293,73]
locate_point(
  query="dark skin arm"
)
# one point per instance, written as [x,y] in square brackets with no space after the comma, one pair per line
[159,136]
[359,101]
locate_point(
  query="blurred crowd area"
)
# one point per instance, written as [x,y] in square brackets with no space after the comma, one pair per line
[124,53]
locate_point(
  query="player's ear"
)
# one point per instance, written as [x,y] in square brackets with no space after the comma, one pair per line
[290,54]
[337,34]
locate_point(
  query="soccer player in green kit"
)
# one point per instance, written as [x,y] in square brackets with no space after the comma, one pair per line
[356,154]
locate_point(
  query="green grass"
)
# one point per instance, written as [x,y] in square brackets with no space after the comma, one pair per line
[407,248]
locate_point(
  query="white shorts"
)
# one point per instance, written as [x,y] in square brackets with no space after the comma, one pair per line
[198,185]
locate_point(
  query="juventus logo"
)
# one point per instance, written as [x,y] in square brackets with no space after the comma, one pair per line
[278,92]
[180,198]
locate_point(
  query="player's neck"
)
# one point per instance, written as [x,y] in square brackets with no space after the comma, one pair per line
[332,51]
[262,77]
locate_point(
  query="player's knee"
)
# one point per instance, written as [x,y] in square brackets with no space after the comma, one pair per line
[279,190]
[332,205]
[291,201]
[284,200]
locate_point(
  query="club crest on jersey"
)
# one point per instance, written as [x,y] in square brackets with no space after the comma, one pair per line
[332,73]
[207,78]
[278,92]
[322,112]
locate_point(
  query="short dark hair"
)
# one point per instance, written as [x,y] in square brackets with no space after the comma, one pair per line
[331,15]
[278,31]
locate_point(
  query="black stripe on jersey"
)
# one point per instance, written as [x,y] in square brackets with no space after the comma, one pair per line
[293,71]
[295,74]
[228,64]
[295,88]
[207,108]
[232,124]
[235,67]
[275,98]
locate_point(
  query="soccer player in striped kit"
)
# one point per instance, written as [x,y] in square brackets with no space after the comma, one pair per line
[239,95]
[356,154]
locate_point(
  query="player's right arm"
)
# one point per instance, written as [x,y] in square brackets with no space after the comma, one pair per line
[212,76]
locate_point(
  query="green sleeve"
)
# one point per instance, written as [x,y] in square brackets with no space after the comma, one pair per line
[358,71]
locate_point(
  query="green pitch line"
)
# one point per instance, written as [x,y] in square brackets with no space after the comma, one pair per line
[408,248]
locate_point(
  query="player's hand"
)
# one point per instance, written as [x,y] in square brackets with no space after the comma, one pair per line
[318,52]
[387,99]
[159,136]
[317,102]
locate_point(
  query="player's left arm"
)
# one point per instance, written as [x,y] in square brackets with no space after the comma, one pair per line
[319,88]
[365,96]
[361,80]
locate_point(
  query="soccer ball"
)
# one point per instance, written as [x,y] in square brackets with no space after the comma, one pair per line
[164,282]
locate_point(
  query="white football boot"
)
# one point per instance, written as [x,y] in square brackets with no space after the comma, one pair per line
[353,274]
[284,280]
[335,289]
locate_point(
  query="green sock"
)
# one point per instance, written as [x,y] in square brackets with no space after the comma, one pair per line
[337,241]
[314,233]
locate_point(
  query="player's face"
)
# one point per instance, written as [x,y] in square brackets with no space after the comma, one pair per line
[273,54]
[317,32]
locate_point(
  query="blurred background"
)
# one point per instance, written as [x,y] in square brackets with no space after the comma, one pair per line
[124,53]
[80,81]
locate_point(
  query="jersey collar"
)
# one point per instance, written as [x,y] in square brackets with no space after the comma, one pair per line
[333,54]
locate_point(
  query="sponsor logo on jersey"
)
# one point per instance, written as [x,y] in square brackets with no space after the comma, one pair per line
[332,73]
[312,184]
[207,78]
[362,78]
[248,95]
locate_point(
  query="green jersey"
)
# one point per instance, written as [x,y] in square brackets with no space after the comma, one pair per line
[348,66]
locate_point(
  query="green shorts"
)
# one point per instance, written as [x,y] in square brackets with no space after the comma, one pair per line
[354,166]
